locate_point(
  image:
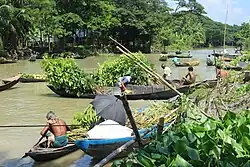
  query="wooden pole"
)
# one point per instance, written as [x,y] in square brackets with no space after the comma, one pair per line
[160,127]
[131,118]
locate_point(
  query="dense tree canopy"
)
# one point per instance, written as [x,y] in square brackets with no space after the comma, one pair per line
[145,25]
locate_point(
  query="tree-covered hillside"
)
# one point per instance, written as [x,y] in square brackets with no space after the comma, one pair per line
[145,25]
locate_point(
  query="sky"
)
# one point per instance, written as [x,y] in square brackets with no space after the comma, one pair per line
[238,10]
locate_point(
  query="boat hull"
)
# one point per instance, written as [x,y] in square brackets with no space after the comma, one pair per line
[140,92]
[9,84]
[46,154]
[25,80]
[161,95]
[100,148]
[186,64]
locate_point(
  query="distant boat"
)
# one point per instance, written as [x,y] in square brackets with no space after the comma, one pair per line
[32,58]
[10,84]
[6,61]
[186,64]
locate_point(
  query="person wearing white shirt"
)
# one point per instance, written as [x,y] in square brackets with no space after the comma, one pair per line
[166,72]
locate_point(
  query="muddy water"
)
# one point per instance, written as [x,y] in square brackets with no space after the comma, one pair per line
[29,103]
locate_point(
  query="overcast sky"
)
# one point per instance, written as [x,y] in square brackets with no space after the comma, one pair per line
[238,10]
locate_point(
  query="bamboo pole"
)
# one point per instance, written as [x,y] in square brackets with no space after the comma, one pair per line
[150,71]
[131,118]
[160,127]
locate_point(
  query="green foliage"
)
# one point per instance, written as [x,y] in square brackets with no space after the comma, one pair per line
[64,73]
[205,143]
[108,73]
[85,118]
[244,89]
[243,58]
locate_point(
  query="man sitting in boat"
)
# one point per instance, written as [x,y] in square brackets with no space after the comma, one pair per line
[124,81]
[55,130]
[190,77]
[221,73]
[166,72]
[176,60]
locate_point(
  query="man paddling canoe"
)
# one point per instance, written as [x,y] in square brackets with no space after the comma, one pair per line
[56,130]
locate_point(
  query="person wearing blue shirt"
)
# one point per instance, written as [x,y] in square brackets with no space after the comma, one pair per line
[176,60]
[124,81]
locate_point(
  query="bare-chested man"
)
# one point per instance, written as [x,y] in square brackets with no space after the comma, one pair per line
[190,77]
[57,131]
[221,73]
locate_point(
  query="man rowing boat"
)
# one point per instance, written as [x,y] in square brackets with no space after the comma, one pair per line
[55,130]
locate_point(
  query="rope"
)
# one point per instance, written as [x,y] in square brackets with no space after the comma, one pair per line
[33,126]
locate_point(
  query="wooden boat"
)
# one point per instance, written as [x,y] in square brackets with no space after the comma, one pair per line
[227,59]
[235,68]
[7,61]
[186,64]
[10,84]
[178,52]
[163,58]
[32,58]
[180,56]
[41,153]
[100,148]
[24,80]
[140,92]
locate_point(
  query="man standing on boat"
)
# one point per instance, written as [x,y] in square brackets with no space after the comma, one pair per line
[190,77]
[209,60]
[56,131]
[166,72]
[124,81]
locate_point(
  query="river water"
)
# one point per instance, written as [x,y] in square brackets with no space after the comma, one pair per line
[28,103]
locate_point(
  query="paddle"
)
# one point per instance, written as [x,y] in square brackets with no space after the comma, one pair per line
[35,144]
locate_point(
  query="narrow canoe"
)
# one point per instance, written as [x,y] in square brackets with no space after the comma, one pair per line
[10,84]
[140,92]
[100,148]
[41,154]
[186,64]
[7,61]
[235,68]
[24,80]
[180,56]
[163,58]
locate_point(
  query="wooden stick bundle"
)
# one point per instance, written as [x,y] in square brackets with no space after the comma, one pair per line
[144,66]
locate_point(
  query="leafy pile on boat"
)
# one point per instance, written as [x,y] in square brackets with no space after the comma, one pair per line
[66,74]
[108,73]
[33,76]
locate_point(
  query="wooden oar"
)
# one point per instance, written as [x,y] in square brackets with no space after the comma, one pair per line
[25,155]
